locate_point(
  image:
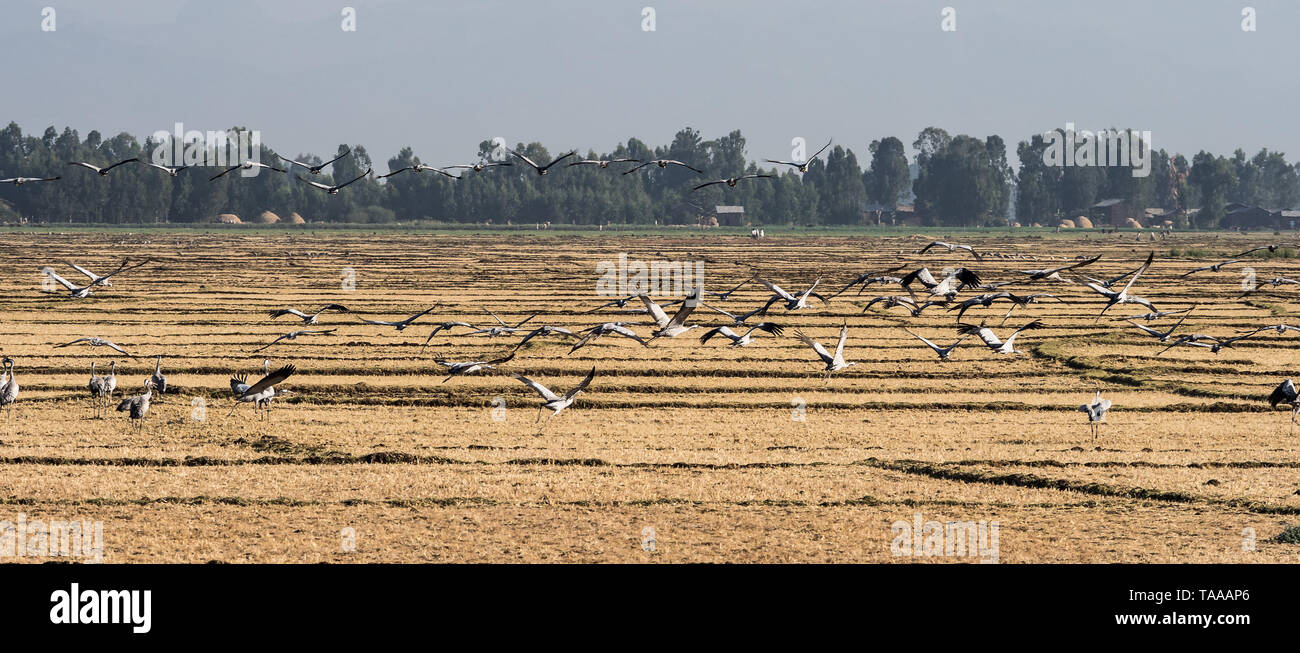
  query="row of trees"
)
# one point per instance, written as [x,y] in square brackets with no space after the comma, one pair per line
[955,180]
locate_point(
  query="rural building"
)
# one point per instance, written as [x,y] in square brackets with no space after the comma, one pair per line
[1243,217]
[1288,219]
[1112,211]
[730,216]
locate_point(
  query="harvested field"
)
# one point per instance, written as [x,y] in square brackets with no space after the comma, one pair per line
[729,454]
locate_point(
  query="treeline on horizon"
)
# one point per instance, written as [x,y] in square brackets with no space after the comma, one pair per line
[959,181]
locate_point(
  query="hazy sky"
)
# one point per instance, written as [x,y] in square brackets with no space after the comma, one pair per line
[441,76]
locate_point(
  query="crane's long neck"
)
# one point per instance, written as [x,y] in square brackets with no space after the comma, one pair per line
[157,367]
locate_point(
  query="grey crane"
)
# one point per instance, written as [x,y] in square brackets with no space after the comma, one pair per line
[137,406]
[742,340]
[19,181]
[1285,393]
[741,319]
[731,181]
[995,344]
[81,292]
[554,402]
[158,379]
[666,327]
[834,363]
[602,163]
[943,352]
[98,391]
[400,325]
[543,331]
[444,327]
[541,170]
[478,167]
[616,328]
[335,188]
[1037,275]
[868,278]
[309,318]
[95,342]
[1270,248]
[110,379]
[8,388]
[1096,413]
[260,393]
[662,163]
[956,281]
[894,301]
[247,165]
[802,166]
[1122,297]
[1215,345]
[470,367]
[1162,336]
[172,171]
[1212,268]
[951,247]
[792,302]
[501,328]
[294,335]
[102,172]
[726,294]
[314,169]
[419,167]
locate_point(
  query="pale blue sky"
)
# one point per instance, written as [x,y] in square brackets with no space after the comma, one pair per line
[441,76]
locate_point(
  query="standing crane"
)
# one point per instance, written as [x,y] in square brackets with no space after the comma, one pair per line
[8,388]
[137,406]
[98,391]
[1285,393]
[1096,413]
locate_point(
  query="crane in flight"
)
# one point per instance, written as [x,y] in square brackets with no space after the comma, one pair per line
[741,340]
[552,401]
[834,363]
[943,352]
[470,367]
[994,343]
[951,247]
[1122,297]
[309,319]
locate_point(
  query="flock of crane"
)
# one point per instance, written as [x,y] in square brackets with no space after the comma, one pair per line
[333,189]
[932,292]
[924,290]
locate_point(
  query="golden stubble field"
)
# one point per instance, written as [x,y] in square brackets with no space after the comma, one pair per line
[736,455]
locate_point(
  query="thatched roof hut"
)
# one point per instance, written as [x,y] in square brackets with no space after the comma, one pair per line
[268,218]
[227,218]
